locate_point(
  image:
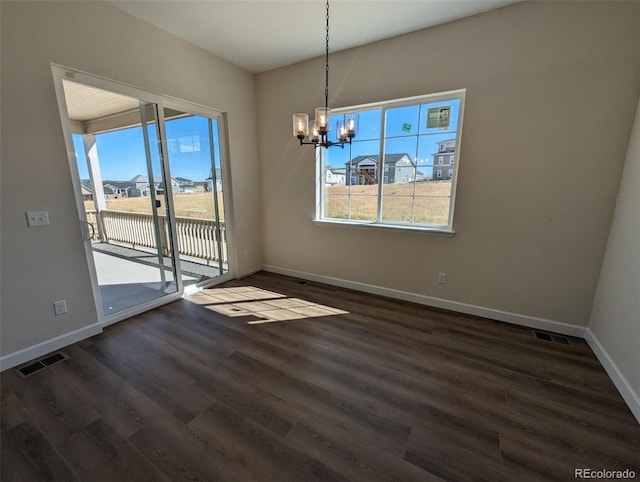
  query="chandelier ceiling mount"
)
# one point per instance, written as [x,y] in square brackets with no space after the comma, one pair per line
[317,131]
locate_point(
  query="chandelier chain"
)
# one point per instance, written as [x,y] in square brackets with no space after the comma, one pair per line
[318,133]
[326,63]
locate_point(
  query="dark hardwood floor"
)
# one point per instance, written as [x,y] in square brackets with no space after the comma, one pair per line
[268,379]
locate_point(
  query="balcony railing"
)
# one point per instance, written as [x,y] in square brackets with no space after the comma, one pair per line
[197,237]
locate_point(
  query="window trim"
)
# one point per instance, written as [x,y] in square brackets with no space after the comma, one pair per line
[368,225]
[446,229]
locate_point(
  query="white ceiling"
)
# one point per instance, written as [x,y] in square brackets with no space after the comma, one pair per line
[260,35]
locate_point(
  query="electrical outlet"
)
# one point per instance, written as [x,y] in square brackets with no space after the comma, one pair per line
[37,218]
[442,278]
[60,307]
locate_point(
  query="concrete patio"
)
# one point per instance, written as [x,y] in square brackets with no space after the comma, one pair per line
[128,277]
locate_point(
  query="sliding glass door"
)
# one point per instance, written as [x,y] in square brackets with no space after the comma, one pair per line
[129,167]
[194,151]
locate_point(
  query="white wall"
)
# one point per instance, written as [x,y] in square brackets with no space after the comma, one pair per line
[615,320]
[41,265]
[551,92]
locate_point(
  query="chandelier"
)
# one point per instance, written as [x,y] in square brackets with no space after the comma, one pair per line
[317,132]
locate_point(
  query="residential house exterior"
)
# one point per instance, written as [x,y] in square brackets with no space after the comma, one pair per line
[118,189]
[87,192]
[443,160]
[136,187]
[218,181]
[142,186]
[398,169]
[335,176]
[185,185]
[175,187]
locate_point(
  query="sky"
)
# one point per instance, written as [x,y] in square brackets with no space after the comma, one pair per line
[122,153]
[406,132]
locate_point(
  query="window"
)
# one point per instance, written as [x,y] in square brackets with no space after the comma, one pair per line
[409,138]
[451,158]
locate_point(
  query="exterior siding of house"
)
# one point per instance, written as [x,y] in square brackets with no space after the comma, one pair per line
[444,160]
[403,171]
[335,177]
[398,168]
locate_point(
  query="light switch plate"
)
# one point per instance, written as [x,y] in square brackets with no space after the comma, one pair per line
[37,218]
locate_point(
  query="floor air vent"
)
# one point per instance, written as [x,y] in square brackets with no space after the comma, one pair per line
[541,335]
[52,359]
[301,281]
[38,365]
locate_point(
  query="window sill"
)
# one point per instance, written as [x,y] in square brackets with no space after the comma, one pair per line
[385,227]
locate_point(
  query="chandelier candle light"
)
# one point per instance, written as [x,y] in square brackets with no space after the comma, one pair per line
[318,130]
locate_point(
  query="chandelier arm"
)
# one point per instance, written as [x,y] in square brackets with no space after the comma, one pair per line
[324,143]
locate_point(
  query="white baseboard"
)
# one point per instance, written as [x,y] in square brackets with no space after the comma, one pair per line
[499,315]
[21,356]
[630,396]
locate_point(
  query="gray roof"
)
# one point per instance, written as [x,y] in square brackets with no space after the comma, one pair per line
[388,159]
[120,184]
[141,178]
[183,180]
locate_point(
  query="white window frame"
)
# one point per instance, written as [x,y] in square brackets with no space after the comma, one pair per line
[458,95]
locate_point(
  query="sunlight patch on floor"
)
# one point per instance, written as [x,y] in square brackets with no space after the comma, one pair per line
[260,306]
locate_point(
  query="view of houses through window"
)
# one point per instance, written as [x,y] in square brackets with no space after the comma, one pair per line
[125,177]
[400,168]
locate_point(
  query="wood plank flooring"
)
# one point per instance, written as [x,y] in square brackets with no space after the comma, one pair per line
[268,379]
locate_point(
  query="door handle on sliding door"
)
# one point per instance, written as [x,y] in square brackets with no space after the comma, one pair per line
[85,230]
